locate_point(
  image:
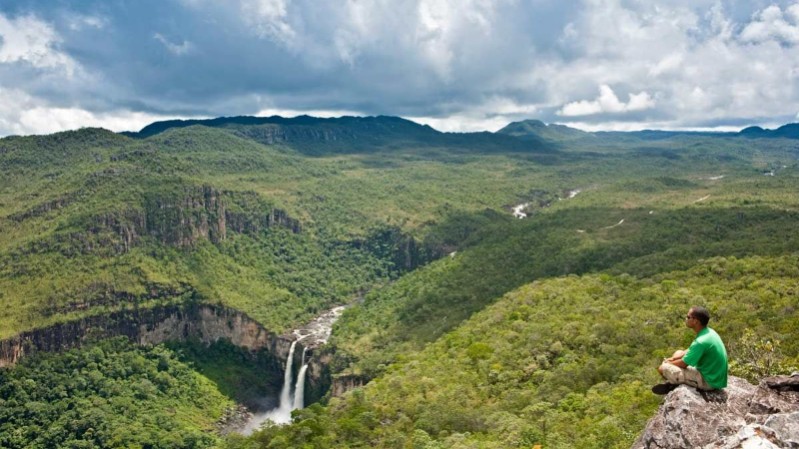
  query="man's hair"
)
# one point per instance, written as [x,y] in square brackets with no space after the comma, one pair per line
[701,314]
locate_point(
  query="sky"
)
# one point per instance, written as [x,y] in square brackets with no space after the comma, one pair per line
[457,65]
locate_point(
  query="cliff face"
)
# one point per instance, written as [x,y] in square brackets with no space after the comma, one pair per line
[390,243]
[318,378]
[206,213]
[180,218]
[345,383]
[183,218]
[43,208]
[206,323]
[742,415]
[273,134]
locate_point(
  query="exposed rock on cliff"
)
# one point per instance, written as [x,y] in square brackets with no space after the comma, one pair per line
[99,294]
[206,323]
[390,243]
[183,218]
[202,322]
[344,383]
[740,416]
[43,208]
[180,218]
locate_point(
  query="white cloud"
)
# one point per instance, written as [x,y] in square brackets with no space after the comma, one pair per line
[669,64]
[78,22]
[23,114]
[608,102]
[462,123]
[627,126]
[692,63]
[29,40]
[269,19]
[772,24]
[323,113]
[498,105]
[44,120]
[444,25]
[457,65]
[492,114]
[434,35]
[175,49]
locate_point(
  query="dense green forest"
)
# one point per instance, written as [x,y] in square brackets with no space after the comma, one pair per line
[109,395]
[473,328]
[564,362]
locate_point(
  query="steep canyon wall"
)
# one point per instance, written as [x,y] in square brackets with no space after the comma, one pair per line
[198,322]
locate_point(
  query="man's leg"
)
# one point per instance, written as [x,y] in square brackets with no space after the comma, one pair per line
[673,378]
[672,373]
[689,376]
[694,378]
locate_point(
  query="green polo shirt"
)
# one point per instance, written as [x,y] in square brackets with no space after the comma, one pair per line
[708,355]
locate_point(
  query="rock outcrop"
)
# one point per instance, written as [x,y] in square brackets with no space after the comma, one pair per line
[206,323]
[391,244]
[180,219]
[344,383]
[740,416]
[196,213]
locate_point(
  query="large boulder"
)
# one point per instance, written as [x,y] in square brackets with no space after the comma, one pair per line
[740,416]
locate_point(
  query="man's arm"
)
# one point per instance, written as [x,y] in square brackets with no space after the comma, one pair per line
[679,363]
[678,355]
[676,359]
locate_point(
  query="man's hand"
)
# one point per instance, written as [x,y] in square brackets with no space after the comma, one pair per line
[678,355]
[679,363]
[676,359]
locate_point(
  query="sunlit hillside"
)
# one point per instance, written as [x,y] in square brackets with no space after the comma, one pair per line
[468,325]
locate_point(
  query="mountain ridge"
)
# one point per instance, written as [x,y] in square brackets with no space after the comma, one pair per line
[348,134]
[304,120]
[526,129]
[789,131]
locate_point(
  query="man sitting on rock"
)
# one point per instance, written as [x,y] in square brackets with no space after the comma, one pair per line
[703,365]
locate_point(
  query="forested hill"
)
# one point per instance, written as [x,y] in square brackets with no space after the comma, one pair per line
[350,134]
[789,131]
[469,326]
[532,129]
[380,124]
[555,133]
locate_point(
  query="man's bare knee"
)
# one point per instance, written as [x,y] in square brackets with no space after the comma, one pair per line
[678,354]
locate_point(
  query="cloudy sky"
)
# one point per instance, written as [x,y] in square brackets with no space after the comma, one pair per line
[458,65]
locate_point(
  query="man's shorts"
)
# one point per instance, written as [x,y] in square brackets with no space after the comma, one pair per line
[688,376]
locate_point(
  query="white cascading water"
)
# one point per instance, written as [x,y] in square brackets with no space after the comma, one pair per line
[281,414]
[285,393]
[318,331]
[299,389]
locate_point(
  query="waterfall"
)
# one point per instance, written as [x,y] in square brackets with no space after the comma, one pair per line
[285,393]
[299,389]
[281,414]
[318,331]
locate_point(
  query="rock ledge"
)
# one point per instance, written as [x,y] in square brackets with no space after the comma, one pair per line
[740,416]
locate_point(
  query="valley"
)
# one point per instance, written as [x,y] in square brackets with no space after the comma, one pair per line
[152,282]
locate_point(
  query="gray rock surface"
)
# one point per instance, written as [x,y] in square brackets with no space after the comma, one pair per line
[740,416]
